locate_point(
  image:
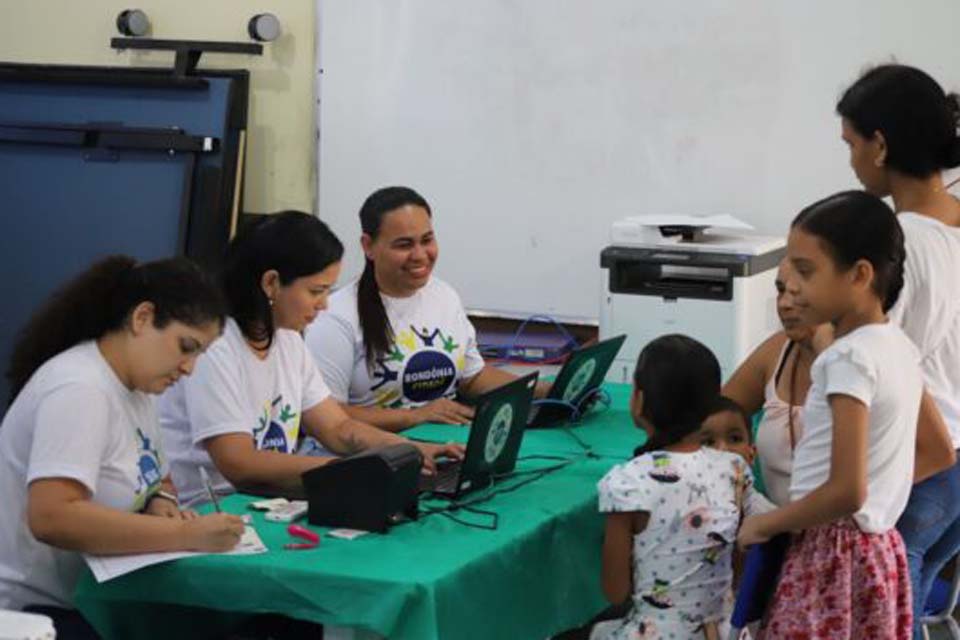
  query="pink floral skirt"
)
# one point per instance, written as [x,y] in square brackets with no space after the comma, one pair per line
[839,582]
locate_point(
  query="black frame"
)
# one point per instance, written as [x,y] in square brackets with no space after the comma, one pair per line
[204,237]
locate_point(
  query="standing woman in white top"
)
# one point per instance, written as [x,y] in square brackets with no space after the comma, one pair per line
[845,573]
[396,346]
[240,416]
[902,132]
[775,378]
[81,470]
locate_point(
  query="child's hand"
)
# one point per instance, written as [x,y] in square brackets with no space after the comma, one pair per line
[752,531]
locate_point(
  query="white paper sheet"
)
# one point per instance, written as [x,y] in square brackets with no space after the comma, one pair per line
[108,567]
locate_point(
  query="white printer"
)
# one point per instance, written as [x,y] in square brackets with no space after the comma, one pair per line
[674,274]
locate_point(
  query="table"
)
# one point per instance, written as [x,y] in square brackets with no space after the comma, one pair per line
[536,574]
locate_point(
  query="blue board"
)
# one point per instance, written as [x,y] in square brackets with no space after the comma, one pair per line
[65,206]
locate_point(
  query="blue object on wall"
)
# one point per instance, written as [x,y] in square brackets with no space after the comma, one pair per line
[72,200]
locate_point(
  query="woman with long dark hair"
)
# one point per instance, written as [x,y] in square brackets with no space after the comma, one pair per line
[241,415]
[396,346]
[901,129]
[81,469]
[775,379]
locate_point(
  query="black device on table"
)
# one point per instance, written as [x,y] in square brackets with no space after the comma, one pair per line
[581,375]
[495,436]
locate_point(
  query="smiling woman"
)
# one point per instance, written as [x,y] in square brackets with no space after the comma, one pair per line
[79,450]
[396,346]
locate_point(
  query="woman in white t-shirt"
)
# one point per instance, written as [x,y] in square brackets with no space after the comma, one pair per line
[396,346]
[845,574]
[902,132]
[240,415]
[81,469]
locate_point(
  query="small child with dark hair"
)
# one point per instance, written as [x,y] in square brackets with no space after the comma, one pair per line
[727,428]
[672,511]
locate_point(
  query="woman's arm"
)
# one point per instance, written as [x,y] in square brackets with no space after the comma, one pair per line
[491,378]
[340,433]
[617,574]
[256,471]
[442,411]
[61,514]
[164,502]
[844,491]
[747,384]
[330,423]
[935,451]
[272,472]
[487,379]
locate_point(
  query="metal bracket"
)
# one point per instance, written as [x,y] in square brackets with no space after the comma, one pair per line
[187,52]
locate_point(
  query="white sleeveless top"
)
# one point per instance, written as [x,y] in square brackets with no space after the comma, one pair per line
[774,446]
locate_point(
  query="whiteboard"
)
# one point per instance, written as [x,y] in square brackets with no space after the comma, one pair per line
[531,125]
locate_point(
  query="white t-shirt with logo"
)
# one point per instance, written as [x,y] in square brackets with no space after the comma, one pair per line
[878,365]
[231,390]
[435,347]
[928,309]
[73,419]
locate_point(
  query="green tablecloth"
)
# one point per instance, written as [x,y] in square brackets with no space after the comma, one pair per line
[537,574]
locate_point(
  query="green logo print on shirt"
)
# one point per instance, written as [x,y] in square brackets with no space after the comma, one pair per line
[278,426]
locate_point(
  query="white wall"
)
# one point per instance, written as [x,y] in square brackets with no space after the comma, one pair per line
[281,141]
[530,125]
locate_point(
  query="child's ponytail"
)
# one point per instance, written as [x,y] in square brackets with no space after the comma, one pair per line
[679,378]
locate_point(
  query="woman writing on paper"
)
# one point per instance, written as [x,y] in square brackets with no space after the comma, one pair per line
[81,469]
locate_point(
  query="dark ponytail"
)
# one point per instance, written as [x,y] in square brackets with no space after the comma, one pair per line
[950,153]
[855,225]
[374,323]
[100,300]
[917,120]
[294,244]
[680,381]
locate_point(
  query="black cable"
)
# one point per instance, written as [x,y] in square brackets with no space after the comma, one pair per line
[587,449]
[534,476]
[495,517]
[534,456]
[490,492]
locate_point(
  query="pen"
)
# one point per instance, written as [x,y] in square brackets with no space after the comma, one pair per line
[209,488]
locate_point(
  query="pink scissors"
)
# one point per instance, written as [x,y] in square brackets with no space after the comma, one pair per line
[297,531]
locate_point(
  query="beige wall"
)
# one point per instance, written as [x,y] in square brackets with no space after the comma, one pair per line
[281,142]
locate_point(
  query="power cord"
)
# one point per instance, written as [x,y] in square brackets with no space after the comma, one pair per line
[597,395]
[493,515]
[493,490]
[507,357]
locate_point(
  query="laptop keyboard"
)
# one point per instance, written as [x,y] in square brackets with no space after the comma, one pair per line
[445,480]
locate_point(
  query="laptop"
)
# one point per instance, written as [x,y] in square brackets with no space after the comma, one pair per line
[583,372]
[494,442]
